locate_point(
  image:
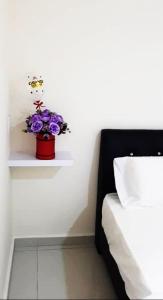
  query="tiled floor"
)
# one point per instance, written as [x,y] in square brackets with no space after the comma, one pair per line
[71,272]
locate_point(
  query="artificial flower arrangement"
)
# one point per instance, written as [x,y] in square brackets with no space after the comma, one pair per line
[44,123]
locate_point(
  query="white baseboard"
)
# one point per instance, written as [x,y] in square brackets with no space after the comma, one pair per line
[53,240]
[53,235]
[9,266]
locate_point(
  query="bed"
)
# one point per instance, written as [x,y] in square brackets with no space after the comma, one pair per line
[119,143]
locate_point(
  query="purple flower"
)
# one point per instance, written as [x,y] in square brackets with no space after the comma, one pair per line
[37,126]
[35,118]
[45,116]
[54,128]
[56,119]
[45,122]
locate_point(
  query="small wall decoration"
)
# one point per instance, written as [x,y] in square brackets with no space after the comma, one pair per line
[43,123]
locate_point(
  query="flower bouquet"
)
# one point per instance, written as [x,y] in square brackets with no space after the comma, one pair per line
[45,124]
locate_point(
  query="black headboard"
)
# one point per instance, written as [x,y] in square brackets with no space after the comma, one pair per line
[117,143]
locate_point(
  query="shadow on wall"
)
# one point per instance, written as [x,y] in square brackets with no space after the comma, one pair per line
[34,172]
[92,191]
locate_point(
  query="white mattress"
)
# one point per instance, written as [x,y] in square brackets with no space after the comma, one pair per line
[135,237]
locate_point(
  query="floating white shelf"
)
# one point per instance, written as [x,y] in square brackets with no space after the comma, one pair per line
[21,159]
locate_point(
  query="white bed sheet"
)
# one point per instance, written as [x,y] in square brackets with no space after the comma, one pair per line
[135,237]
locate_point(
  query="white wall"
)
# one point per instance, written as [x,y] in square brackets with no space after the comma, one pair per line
[103,65]
[5,203]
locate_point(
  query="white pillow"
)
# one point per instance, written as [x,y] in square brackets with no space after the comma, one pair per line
[139,180]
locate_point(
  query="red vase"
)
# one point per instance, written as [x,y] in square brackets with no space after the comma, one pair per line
[45,147]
